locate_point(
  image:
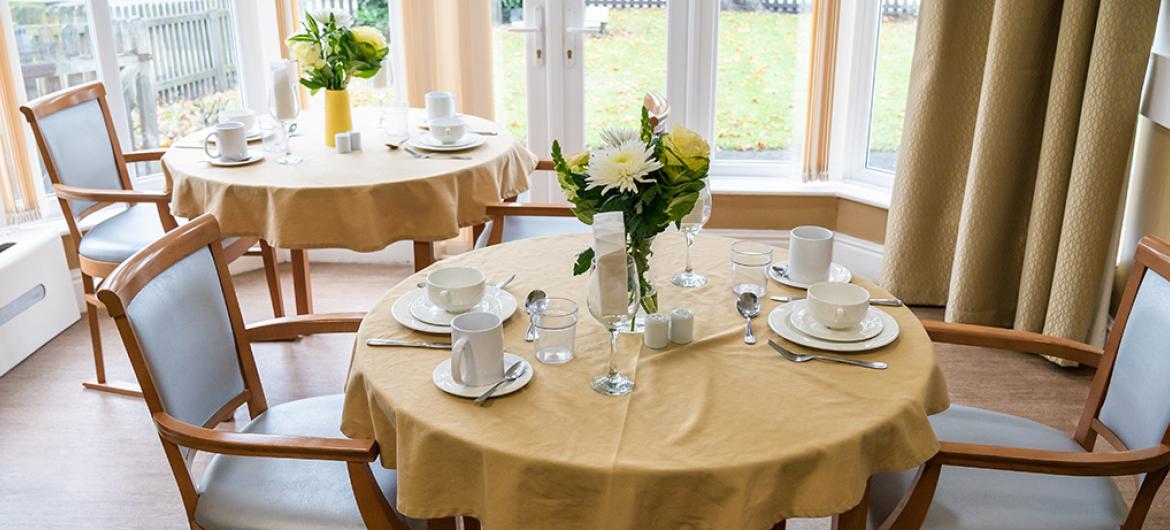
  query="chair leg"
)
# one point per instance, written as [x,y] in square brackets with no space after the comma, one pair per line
[302,288]
[855,518]
[424,254]
[272,274]
[95,336]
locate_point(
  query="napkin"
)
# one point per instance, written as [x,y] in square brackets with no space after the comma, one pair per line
[609,249]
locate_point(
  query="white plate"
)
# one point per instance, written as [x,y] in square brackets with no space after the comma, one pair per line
[442,378]
[422,309]
[504,308]
[804,322]
[837,273]
[253,157]
[429,143]
[780,322]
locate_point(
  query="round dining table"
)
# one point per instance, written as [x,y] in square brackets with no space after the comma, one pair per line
[361,201]
[717,434]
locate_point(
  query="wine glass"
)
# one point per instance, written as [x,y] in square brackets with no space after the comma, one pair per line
[613,305]
[284,106]
[690,226]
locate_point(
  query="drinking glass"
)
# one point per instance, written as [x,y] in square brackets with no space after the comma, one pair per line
[271,135]
[555,322]
[749,267]
[614,317]
[690,227]
[284,106]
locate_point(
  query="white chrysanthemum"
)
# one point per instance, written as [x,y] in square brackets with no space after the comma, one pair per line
[621,167]
[306,54]
[614,136]
[343,19]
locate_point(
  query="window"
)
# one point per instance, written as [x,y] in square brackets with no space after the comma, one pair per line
[373,13]
[616,79]
[891,80]
[508,72]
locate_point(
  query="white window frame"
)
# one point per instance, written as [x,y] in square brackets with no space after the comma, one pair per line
[853,102]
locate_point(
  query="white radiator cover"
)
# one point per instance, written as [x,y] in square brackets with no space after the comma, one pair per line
[36,294]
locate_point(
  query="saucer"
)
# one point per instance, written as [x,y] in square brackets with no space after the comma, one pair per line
[780,320]
[837,273]
[442,379]
[503,304]
[426,124]
[253,157]
[422,309]
[430,143]
[802,319]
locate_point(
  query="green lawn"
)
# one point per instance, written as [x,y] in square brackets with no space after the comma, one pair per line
[761,83]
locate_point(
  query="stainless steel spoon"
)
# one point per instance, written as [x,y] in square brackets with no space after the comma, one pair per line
[534,297]
[748,306]
[798,358]
[514,372]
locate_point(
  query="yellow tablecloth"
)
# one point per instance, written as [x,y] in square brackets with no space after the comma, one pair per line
[717,435]
[359,201]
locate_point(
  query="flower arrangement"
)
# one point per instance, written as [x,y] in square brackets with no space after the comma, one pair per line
[331,52]
[653,179]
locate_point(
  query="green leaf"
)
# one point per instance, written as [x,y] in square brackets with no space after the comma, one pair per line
[647,130]
[584,261]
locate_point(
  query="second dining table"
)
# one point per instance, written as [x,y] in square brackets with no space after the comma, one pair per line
[717,434]
[361,201]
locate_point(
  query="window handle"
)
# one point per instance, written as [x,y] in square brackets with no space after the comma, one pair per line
[537,31]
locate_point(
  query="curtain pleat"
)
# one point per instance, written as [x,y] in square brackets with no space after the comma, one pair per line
[821,84]
[19,189]
[448,47]
[1018,132]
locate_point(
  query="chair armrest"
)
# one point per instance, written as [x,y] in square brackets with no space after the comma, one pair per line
[145,155]
[1054,462]
[269,445]
[545,165]
[111,195]
[1011,339]
[287,328]
[504,209]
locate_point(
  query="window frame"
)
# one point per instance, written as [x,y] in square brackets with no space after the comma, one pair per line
[857,59]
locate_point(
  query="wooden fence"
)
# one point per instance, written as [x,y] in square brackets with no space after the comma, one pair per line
[890,8]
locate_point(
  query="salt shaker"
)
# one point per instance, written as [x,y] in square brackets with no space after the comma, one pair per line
[682,326]
[657,333]
[355,140]
[341,143]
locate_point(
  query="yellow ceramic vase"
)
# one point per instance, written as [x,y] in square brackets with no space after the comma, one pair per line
[337,114]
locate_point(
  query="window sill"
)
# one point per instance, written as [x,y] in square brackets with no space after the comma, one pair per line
[854,191]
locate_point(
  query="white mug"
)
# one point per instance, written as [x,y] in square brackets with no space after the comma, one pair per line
[448,130]
[456,289]
[440,105]
[838,305]
[477,349]
[244,116]
[230,140]
[810,254]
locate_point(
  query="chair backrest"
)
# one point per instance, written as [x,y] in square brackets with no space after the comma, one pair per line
[179,318]
[1130,397]
[77,142]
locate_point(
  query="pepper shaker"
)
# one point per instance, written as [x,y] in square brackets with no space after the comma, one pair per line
[341,143]
[657,334]
[682,326]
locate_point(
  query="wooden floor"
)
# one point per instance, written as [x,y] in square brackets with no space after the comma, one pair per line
[71,458]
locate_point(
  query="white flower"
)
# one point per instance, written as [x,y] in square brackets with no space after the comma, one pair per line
[621,167]
[614,137]
[343,19]
[306,54]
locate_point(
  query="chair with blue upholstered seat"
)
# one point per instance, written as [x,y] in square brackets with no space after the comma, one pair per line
[290,466]
[85,162]
[1000,471]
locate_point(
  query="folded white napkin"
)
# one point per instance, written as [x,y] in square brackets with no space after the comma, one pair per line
[609,248]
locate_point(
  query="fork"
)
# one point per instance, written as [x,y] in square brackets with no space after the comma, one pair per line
[796,358]
[428,156]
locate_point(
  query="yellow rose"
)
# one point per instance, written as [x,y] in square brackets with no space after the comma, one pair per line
[369,36]
[306,54]
[578,162]
[684,147]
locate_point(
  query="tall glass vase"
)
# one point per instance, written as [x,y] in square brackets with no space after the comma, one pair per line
[338,117]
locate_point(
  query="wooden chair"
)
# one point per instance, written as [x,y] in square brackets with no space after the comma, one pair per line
[1003,471]
[87,167]
[532,220]
[290,466]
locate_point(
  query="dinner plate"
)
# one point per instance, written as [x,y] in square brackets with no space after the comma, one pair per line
[780,320]
[422,309]
[429,143]
[442,379]
[504,306]
[837,273]
[253,157]
[802,319]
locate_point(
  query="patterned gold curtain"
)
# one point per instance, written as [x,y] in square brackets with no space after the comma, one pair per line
[1018,132]
[19,190]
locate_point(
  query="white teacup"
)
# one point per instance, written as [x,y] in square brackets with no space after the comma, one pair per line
[231,142]
[448,130]
[838,305]
[810,254]
[456,289]
[477,349]
[439,105]
[244,116]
